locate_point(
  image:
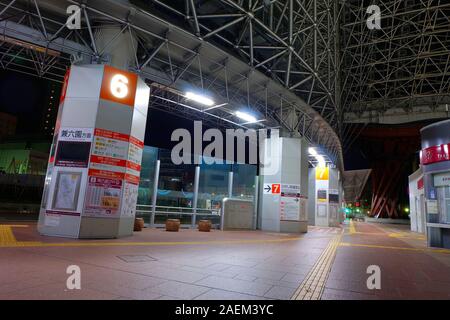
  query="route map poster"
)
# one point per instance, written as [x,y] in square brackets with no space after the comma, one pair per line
[103,197]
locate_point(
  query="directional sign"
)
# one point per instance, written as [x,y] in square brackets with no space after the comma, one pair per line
[272,188]
[276,188]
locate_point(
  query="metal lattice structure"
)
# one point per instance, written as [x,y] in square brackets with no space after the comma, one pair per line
[290,41]
[309,67]
[171,58]
[400,73]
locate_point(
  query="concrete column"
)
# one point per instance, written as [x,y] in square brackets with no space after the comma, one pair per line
[116,46]
[284,184]
[325,194]
[94,171]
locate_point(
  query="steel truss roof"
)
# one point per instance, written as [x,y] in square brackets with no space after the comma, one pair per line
[311,67]
[400,73]
[171,59]
[290,41]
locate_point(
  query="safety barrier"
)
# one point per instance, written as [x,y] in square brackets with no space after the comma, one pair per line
[188,216]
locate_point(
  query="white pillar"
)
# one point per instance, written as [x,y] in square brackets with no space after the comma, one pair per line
[284,185]
[94,168]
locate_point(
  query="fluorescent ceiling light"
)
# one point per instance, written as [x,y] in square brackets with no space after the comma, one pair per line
[312,151]
[321,161]
[199,98]
[245,116]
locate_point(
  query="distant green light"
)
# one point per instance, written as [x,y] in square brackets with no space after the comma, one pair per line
[407,210]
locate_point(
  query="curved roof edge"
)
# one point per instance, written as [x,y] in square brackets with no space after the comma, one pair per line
[143,21]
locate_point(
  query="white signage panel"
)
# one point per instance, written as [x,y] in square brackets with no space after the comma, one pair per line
[442,179]
[76,134]
[290,189]
[432,207]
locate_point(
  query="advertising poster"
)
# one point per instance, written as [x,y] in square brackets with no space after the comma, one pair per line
[322,195]
[333,196]
[103,197]
[115,166]
[130,195]
[66,193]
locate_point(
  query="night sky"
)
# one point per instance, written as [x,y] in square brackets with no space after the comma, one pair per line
[29,110]
[24,96]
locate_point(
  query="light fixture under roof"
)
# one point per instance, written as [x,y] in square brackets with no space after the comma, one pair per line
[320,161]
[199,98]
[312,151]
[245,116]
[319,158]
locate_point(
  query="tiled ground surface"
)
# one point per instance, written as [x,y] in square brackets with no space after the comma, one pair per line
[155,264]
[408,269]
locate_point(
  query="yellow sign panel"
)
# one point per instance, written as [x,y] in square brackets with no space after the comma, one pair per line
[322,173]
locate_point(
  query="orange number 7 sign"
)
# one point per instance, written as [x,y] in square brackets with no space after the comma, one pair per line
[276,188]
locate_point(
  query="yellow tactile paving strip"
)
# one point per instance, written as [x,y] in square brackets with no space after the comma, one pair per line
[6,235]
[352,228]
[391,233]
[7,240]
[431,250]
[313,285]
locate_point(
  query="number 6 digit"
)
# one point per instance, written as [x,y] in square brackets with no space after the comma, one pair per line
[119,86]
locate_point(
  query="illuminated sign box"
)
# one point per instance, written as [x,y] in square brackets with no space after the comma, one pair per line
[435,154]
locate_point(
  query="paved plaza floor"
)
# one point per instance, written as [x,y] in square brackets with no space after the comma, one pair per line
[325,263]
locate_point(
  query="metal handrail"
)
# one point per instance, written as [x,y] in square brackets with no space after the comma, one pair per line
[167,207]
[199,211]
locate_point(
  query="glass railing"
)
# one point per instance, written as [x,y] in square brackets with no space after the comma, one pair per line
[177,195]
[185,215]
